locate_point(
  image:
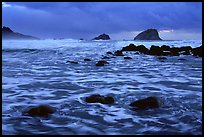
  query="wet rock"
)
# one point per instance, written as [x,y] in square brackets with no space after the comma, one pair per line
[87,59]
[72,62]
[142,49]
[185,48]
[102,37]
[175,51]
[155,50]
[41,111]
[150,102]
[165,48]
[127,58]
[96,98]
[197,51]
[181,59]
[149,34]
[109,53]
[118,53]
[131,47]
[101,63]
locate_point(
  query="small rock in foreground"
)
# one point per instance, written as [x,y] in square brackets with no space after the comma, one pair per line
[150,102]
[41,111]
[96,98]
[101,63]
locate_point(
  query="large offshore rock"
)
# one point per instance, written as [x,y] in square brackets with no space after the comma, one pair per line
[102,37]
[150,34]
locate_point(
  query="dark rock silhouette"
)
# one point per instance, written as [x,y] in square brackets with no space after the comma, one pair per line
[118,53]
[150,102]
[109,53]
[165,48]
[131,47]
[150,34]
[181,59]
[102,37]
[175,51]
[87,59]
[155,50]
[41,111]
[197,51]
[7,33]
[101,63]
[96,98]
[127,58]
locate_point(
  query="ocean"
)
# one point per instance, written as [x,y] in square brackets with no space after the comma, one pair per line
[37,72]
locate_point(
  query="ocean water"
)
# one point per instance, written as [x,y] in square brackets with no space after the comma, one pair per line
[35,72]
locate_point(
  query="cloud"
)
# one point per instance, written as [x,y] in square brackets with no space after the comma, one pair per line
[87,19]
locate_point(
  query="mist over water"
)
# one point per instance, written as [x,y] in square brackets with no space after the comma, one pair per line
[35,72]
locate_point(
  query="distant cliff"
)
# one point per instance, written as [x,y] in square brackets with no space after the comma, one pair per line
[102,37]
[150,34]
[7,33]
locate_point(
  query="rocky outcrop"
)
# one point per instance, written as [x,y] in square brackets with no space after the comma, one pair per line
[102,37]
[7,33]
[41,111]
[132,47]
[197,51]
[150,34]
[150,102]
[96,98]
[118,53]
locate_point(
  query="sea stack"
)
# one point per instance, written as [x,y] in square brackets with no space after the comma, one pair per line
[150,34]
[7,33]
[102,37]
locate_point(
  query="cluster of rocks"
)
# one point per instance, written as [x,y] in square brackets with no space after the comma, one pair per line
[46,110]
[164,50]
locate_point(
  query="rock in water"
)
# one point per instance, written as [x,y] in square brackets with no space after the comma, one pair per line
[150,34]
[127,58]
[197,51]
[102,37]
[150,102]
[87,59]
[101,63]
[96,98]
[41,111]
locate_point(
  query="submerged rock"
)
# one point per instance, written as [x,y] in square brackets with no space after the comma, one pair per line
[127,58]
[149,34]
[150,102]
[41,111]
[87,59]
[96,98]
[105,57]
[118,53]
[101,63]
[72,62]
[162,58]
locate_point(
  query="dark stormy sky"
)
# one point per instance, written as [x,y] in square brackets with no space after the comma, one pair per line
[121,20]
